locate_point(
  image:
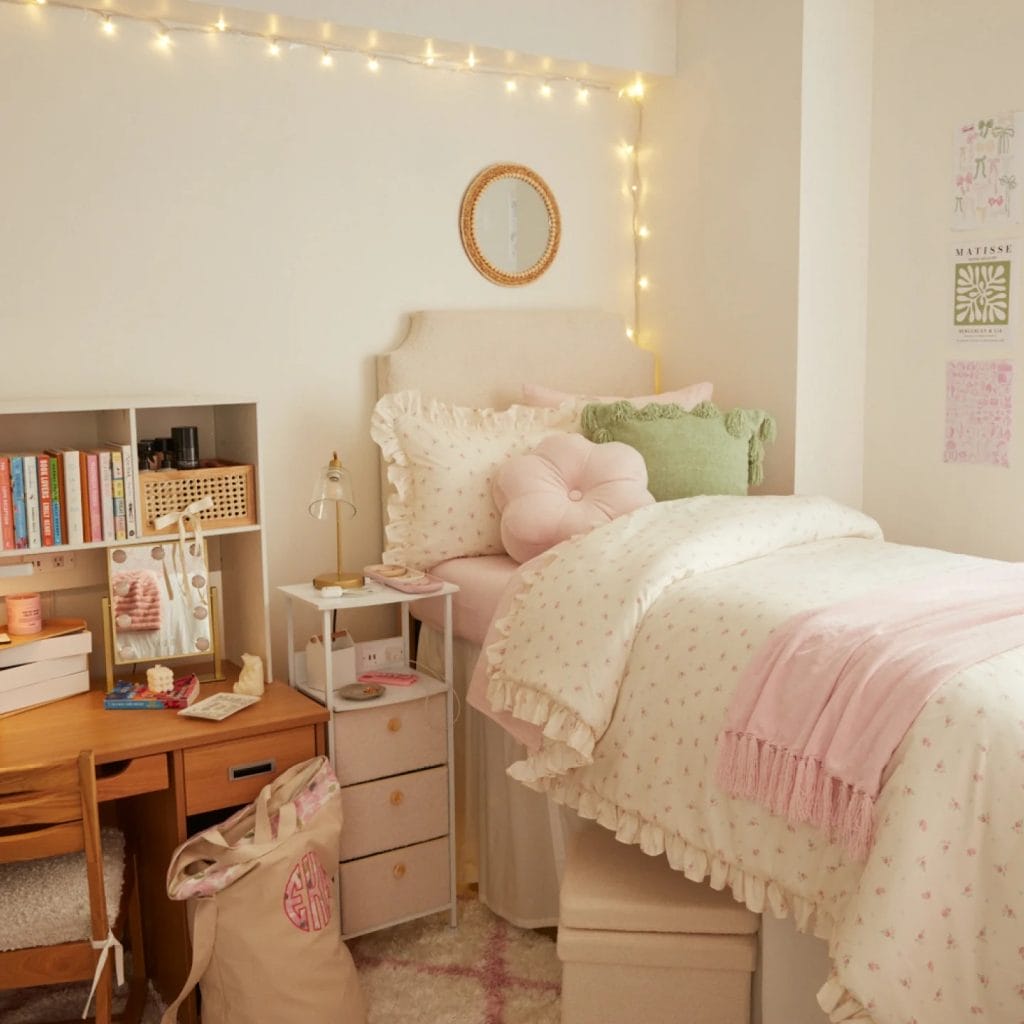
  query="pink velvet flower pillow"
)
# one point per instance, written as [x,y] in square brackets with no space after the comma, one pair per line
[565,486]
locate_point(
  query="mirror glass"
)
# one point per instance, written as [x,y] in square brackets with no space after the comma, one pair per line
[510,224]
[159,601]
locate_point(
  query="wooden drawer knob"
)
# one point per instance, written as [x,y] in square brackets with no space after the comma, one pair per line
[394,724]
[398,871]
[397,797]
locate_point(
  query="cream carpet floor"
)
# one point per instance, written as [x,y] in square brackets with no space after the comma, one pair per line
[483,972]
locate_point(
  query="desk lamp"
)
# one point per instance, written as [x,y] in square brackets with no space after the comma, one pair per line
[334,486]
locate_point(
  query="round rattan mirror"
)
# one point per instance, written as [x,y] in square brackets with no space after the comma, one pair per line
[509,223]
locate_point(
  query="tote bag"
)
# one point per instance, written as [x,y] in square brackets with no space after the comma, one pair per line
[266,934]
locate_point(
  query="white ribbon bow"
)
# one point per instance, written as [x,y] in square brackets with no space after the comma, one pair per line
[105,946]
[189,512]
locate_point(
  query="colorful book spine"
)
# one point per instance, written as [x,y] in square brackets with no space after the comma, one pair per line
[45,500]
[131,491]
[106,494]
[73,496]
[32,512]
[92,477]
[117,492]
[60,527]
[18,501]
[6,505]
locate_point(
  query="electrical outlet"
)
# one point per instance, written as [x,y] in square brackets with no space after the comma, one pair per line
[47,561]
[377,654]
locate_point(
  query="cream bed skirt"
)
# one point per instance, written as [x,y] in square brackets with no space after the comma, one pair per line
[509,840]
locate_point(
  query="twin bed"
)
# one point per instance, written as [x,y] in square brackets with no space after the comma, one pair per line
[613,658]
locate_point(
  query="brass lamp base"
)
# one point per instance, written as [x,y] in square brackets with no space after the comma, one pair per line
[338,579]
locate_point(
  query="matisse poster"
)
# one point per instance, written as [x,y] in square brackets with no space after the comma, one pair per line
[986,171]
[979,412]
[985,290]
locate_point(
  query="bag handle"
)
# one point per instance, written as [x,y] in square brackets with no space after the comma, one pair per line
[204,927]
[287,820]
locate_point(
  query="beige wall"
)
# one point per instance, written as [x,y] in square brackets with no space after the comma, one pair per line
[835,158]
[215,221]
[721,160]
[936,62]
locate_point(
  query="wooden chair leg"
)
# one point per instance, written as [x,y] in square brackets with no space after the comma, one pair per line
[138,987]
[104,991]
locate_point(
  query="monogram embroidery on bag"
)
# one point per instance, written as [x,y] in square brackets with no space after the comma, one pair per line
[307,895]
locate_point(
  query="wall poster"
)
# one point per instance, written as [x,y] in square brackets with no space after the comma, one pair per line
[979,412]
[986,175]
[985,290]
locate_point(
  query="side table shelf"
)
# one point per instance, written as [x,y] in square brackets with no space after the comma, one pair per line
[394,757]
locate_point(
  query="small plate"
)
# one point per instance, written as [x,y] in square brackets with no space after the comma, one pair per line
[362,691]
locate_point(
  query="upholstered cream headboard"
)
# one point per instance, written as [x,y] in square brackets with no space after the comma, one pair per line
[482,358]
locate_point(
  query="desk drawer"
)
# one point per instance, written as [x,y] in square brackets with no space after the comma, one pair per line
[130,778]
[394,812]
[394,885]
[373,742]
[228,774]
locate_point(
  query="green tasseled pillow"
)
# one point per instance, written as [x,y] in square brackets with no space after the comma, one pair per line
[704,451]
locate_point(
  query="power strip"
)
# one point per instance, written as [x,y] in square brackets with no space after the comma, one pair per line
[380,654]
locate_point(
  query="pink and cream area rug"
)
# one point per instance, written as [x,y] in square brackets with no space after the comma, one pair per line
[484,972]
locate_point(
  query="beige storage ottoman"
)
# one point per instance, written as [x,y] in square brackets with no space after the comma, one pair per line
[640,943]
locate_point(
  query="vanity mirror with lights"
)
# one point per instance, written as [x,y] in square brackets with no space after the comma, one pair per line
[161,606]
[509,224]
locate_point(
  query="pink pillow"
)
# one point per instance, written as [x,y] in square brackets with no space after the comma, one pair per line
[565,486]
[688,398]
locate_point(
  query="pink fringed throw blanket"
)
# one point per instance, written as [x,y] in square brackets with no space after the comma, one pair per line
[825,702]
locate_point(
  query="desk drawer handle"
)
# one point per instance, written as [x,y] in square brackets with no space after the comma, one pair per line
[396,798]
[398,871]
[394,724]
[238,772]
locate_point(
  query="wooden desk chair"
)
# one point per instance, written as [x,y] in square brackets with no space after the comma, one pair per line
[48,820]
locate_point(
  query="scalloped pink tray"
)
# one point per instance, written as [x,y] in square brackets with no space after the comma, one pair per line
[425,584]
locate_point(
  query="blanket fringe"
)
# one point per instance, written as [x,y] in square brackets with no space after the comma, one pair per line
[798,788]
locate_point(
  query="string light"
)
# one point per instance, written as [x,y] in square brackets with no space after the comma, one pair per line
[635,91]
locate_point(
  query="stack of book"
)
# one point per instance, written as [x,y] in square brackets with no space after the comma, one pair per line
[66,496]
[45,666]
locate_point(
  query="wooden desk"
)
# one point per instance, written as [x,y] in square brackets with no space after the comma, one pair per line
[162,768]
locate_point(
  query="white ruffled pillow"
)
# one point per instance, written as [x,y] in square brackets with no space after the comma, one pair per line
[441,461]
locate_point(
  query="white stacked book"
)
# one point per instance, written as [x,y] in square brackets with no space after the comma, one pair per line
[45,667]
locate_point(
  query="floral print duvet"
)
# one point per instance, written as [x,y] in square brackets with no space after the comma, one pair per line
[617,653]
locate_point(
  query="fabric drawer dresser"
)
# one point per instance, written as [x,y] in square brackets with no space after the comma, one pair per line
[638,941]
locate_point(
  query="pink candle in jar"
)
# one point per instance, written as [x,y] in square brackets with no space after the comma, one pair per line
[24,614]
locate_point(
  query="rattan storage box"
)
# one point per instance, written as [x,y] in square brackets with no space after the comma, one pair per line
[171,490]
[639,942]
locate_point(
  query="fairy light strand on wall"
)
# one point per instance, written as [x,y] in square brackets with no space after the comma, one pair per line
[164,33]
[166,30]
[634,188]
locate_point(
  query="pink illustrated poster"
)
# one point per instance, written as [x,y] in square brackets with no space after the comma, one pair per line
[979,412]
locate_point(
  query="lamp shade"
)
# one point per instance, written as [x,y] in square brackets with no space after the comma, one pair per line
[333,487]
